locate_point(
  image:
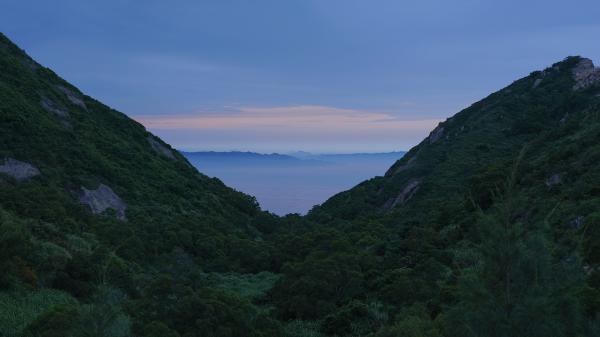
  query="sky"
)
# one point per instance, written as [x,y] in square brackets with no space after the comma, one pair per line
[311,75]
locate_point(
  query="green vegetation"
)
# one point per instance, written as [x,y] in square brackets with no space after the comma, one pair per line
[19,309]
[489,227]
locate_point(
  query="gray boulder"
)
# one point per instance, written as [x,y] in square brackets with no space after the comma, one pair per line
[159,148]
[553,180]
[408,164]
[54,108]
[436,134]
[407,192]
[62,113]
[19,170]
[585,74]
[72,96]
[101,199]
[577,223]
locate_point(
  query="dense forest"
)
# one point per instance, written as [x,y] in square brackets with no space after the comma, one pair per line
[489,227]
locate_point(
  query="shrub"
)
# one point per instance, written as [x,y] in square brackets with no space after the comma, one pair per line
[18,310]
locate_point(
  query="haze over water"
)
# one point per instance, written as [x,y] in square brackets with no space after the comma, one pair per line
[291,185]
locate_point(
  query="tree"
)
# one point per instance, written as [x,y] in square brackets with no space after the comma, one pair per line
[14,241]
[414,321]
[515,285]
[159,329]
[59,321]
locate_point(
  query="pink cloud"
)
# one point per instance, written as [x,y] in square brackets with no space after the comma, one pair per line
[287,128]
[301,117]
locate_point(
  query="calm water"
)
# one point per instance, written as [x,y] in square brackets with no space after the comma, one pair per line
[294,186]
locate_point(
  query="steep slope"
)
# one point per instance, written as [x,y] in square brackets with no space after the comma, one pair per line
[465,156]
[489,227]
[67,158]
[92,204]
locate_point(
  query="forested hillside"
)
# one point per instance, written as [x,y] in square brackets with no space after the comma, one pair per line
[96,213]
[489,227]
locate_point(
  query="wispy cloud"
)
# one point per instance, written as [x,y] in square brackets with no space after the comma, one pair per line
[313,128]
[174,62]
[314,117]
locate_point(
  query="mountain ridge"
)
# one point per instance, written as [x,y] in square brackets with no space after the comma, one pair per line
[454,128]
[489,226]
[92,204]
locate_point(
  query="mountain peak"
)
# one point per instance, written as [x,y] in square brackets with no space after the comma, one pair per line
[97,164]
[585,74]
[490,131]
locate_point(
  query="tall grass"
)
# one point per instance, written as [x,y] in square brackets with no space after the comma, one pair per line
[248,286]
[299,328]
[18,309]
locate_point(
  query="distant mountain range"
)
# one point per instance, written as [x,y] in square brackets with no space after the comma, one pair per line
[352,157]
[212,157]
[248,158]
[488,227]
[294,182]
[238,155]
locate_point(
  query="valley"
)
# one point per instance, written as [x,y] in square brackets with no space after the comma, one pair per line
[488,227]
[284,184]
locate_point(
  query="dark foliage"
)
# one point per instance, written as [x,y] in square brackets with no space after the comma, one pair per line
[461,254]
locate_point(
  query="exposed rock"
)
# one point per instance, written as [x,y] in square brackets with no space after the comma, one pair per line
[563,120]
[585,74]
[19,170]
[553,180]
[101,199]
[75,98]
[537,83]
[436,134]
[588,269]
[408,191]
[408,164]
[576,223]
[54,108]
[159,148]
[31,64]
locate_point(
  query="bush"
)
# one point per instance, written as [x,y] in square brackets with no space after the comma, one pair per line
[59,321]
[18,310]
[159,329]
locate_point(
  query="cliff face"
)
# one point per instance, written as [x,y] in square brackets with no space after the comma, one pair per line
[585,74]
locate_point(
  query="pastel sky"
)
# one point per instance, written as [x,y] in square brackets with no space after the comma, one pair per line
[287,75]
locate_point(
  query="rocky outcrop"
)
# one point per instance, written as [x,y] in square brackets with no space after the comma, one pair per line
[75,98]
[19,170]
[577,223]
[436,134]
[537,83]
[553,180]
[407,192]
[408,164]
[60,112]
[159,148]
[585,74]
[54,108]
[101,199]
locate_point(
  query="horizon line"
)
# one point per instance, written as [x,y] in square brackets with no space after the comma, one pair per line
[290,153]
